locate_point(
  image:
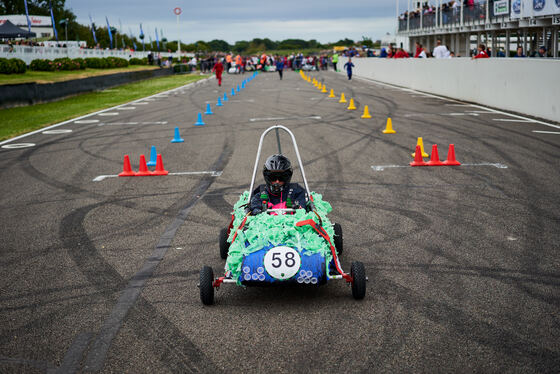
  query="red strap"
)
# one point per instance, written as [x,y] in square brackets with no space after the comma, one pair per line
[239,228]
[324,234]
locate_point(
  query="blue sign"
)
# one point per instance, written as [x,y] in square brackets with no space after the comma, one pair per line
[538,5]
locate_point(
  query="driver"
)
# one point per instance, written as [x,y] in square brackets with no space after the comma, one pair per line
[278,193]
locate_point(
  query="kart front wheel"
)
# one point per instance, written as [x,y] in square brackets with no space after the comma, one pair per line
[338,238]
[224,245]
[358,273]
[206,289]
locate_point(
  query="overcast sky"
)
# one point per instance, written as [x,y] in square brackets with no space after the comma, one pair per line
[233,20]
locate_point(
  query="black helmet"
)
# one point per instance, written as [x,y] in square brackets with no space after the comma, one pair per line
[277,167]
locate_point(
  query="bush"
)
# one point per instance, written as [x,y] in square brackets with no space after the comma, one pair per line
[42,65]
[66,64]
[95,63]
[138,61]
[12,66]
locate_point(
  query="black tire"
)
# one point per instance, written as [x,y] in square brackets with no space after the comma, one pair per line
[224,245]
[206,289]
[338,238]
[358,273]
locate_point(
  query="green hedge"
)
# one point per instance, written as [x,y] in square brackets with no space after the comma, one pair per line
[138,61]
[106,63]
[12,66]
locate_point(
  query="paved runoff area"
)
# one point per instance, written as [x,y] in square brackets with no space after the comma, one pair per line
[99,273]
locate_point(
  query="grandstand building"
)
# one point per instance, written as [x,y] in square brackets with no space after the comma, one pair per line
[40,25]
[502,25]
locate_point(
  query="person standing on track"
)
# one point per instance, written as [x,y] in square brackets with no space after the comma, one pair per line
[348,66]
[280,66]
[219,69]
[335,60]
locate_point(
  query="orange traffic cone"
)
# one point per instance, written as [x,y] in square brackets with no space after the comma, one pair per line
[159,167]
[451,161]
[143,169]
[418,161]
[127,170]
[434,159]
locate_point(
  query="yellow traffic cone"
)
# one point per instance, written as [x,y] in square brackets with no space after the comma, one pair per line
[351,106]
[309,79]
[319,86]
[366,112]
[342,98]
[324,90]
[332,93]
[389,127]
[420,142]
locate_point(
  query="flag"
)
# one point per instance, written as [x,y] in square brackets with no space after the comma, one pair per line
[134,45]
[157,40]
[109,31]
[142,37]
[27,15]
[93,29]
[53,23]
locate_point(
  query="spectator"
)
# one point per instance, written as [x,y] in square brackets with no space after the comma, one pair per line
[423,54]
[440,51]
[519,52]
[541,52]
[335,60]
[481,52]
[401,53]
[383,53]
[418,50]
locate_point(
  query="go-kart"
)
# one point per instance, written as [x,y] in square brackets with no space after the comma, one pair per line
[281,246]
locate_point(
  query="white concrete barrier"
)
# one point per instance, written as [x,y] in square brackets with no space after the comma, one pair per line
[529,86]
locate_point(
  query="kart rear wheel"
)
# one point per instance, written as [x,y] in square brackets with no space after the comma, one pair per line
[224,245]
[206,289]
[358,273]
[338,238]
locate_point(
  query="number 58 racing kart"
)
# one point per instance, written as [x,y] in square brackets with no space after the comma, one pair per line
[281,246]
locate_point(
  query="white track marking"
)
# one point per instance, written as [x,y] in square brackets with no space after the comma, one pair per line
[140,103]
[211,173]
[61,131]
[127,108]
[547,132]
[459,102]
[461,114]
[87,121]
[281,118]
[132,123]
[383,167]
[512,120]
[109,114]
[18,145]
[92,114]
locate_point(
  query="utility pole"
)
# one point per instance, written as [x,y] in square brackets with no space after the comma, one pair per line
[178,12]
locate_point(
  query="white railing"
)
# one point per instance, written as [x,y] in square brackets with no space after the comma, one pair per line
[28,53]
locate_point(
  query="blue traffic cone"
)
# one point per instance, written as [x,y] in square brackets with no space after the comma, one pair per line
[243,84]
[225,97]
[199,121]
[238,88]
[177,138]
[153,157]
[208,109]
[232,92]
[219,102]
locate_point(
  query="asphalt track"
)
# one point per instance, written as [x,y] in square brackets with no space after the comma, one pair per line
[463,263]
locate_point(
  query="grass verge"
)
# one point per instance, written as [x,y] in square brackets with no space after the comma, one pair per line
[16,121]
[31,76]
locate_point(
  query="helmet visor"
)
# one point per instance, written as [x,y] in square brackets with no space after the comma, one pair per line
[277,175]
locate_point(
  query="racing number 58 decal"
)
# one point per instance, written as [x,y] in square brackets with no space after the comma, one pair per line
[282,262]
